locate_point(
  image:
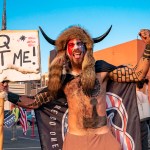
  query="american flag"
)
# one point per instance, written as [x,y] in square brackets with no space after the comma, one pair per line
[23,120]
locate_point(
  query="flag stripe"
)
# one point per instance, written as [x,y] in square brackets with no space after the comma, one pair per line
[23,120]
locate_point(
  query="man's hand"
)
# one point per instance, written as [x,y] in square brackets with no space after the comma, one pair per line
[3,86]
[145,35]
[3,90]
[22,101]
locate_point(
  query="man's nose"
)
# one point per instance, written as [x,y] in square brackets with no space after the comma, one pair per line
[76,46]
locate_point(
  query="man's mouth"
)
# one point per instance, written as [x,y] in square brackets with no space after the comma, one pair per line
[77,55]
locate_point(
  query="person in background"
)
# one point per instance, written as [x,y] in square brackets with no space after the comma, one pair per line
[142,98]
[15,111]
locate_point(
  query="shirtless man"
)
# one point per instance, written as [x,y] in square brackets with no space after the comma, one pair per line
[73,71]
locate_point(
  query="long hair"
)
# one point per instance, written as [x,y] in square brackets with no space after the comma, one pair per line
[88,73]
[55,73]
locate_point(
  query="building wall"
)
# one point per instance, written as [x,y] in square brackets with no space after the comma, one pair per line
[125,53]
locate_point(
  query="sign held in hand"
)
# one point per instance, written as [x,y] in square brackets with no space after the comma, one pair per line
[19,55]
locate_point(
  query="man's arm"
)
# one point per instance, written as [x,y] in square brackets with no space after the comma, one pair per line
[30,102]
[126,74]
[39,99]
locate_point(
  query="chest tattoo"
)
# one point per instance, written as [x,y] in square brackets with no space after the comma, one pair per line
[88,109]
[95,121]
[96,90]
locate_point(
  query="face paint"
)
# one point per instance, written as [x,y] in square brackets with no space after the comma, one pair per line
[75,45]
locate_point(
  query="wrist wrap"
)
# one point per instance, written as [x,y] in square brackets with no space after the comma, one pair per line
[146,53]
[12,97]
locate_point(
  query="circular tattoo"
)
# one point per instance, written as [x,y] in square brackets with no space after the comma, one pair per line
[93,101]
[92,92]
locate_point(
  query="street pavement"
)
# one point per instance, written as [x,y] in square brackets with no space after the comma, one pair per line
[25,142]
[30,141]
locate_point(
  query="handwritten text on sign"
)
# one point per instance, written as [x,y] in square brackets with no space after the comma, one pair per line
[19,55]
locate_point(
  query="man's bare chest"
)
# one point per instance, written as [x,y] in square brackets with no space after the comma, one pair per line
[74,88]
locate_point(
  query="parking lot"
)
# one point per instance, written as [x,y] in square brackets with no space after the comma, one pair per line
[21,142]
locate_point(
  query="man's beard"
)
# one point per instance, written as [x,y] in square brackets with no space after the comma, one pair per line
[77,65]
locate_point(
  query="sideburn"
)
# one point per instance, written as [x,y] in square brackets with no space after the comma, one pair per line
[88,73]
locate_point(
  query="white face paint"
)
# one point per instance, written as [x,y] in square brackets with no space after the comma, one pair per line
[75,51]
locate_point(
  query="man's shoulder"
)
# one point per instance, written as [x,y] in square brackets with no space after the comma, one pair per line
[103,66]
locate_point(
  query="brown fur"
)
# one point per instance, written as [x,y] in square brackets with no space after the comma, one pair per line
[74,32]
[56,66]
[55,72]
[88,73]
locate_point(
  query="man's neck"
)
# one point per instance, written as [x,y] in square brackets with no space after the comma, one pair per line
[75,72]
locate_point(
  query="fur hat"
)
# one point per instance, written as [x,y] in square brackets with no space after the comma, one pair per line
[74,32]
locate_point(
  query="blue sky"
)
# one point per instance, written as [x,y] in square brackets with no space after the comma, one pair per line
[127,18]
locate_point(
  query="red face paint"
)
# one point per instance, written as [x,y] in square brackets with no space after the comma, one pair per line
[69,48]
[73,45]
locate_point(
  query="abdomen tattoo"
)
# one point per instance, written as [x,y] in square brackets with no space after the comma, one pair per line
[95,121]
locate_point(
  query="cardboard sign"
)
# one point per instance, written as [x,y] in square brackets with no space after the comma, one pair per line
[19,55]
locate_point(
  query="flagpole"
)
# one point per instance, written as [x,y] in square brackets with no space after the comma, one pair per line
[1,122]
[4,16]
[1,93]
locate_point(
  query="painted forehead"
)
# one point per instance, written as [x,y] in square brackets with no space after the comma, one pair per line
[74,43]
[74,40]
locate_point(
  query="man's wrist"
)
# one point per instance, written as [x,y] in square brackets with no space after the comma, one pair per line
[147,46]
[146,53]
[3,94]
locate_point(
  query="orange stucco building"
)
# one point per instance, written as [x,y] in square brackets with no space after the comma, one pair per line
[124,53]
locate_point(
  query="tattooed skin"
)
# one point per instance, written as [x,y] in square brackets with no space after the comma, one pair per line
[125,74]
[40,99]
[146,54]
[86,106]
[95,121]
[95,90]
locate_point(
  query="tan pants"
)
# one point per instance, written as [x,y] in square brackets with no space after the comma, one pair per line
[91,142]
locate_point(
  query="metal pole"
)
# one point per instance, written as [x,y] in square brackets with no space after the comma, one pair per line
[1,122]
[32,128]
[4,16]
[14,131]
[2,99]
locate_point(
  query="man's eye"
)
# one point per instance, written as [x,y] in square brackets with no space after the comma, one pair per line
[79,43]
[70,44]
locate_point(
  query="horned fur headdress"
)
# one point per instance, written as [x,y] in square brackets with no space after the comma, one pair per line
[58,68]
